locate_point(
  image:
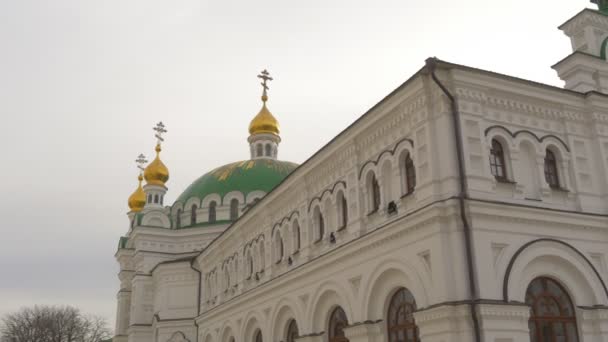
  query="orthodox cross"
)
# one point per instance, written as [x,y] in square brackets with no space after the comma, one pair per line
[265,76]
[141,160]
[160,129]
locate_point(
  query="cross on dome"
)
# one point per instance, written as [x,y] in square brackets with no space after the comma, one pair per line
[160,130]
[140,161]
[265,76]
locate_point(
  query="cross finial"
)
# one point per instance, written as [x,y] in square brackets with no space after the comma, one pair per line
[141,160]
[160,130]
[265,76]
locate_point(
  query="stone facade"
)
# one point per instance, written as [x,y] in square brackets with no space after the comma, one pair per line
[345,229]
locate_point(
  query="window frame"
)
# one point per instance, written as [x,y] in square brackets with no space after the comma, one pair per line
[498,161]
[551,170]
[539,323]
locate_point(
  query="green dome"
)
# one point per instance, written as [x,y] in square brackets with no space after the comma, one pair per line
[244,176]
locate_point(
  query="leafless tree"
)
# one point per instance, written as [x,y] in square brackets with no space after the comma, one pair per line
[52,324]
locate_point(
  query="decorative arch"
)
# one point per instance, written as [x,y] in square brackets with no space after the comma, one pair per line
[530,133]
[284,312]
[252,324]
[178,337]
[328,296]
[211,198]
[233,195]
[227,332]
[387,277]
[558,260]
[327,192]
[373,163]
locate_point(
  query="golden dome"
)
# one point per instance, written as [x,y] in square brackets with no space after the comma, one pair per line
[137,200]
[264,122]
[156,173]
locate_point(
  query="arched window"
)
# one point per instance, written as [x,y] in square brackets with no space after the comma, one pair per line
[497,161]
[409,174]
[212,217]
[193,215]
[161,199]
[400,323]
[268,150]
[258,336]
[278,242]
[234,209]
[149,198]
[292,331]
[259,150]
[342,210]
[337,323]
[178,219]
[249,265]
[552,318]
[155,198]
[373,189]
[551,169]
[319,223]
[226,277]
[296,236]
[262,256]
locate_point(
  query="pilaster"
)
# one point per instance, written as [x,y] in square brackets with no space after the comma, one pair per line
[365,332]
[447,323]
[593,324]
[504,323]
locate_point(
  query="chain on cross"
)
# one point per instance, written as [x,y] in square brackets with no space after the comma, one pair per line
[160,130]
[141,160]
[265,76]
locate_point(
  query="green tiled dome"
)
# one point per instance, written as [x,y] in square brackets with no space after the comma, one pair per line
[244,176]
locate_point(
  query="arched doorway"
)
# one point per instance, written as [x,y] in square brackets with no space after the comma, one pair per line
[400,322]
[552,318]
[337,323]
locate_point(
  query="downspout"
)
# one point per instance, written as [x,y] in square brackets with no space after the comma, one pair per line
[198,295]
[431,64]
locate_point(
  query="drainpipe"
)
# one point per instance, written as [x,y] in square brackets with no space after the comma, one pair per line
[198,295]
[431,64]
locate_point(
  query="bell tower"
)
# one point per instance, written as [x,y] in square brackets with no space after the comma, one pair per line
[586,69]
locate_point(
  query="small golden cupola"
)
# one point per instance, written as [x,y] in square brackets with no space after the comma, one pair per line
[264,128]
[156,173]
[137,200]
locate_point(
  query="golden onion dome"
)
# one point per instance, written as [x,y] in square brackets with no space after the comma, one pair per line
[156,173]
[264,122]
[137,200]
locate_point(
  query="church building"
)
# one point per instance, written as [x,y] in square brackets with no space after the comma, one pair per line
[466,205]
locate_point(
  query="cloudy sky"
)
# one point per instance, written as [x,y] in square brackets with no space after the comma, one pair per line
[83,82]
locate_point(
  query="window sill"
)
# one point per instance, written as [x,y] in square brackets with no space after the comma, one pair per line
[375,211]
[342,228]
[318,241]
[407,194]
[559,189]
[504,181]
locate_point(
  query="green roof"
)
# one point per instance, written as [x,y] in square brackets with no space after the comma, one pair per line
[243,176]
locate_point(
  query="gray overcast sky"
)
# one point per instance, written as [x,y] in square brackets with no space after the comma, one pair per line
[82,83]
